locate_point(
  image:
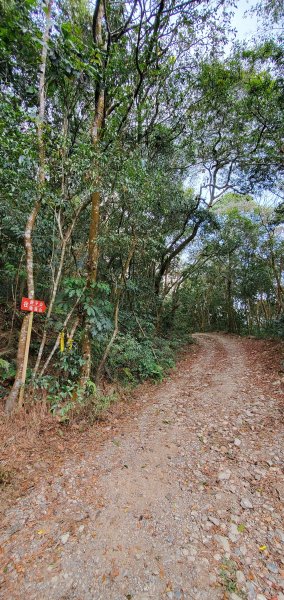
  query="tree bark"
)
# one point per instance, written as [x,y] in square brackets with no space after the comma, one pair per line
[64,242]
[56,345]
[14,394]
[278,288]
[93,250]
[169,255]
[92,266]
[116,311]
[230,307]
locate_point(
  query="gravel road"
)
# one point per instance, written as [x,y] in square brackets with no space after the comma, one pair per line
[183,503]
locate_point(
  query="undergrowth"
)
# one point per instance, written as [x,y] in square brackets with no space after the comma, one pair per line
[132,360]
[228,578]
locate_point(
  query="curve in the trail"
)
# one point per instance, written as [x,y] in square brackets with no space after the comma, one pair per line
[177,505]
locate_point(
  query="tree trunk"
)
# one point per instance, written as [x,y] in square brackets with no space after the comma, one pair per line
[116,311]
[279,288]
[93,250]
[64,242]
[56,345]
[230,307]
[14,394]
[171,253]
[92,266]
[50,307]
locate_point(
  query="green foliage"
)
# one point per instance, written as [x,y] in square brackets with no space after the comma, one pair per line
[4,366]
[228,575]
[236,287]
[7,373]
[69,363]
[135,360]
[98,311]
[66,400]
[97,404]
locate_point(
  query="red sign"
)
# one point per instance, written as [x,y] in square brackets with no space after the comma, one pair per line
[33,305]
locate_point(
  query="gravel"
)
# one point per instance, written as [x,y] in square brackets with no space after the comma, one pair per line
[182,527]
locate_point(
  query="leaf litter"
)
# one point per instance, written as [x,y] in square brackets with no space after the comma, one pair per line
[77,524]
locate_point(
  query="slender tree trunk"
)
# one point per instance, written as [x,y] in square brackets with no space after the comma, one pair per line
[247,315]
[56,345]
[50,307]
[111,341]
[264,309]
[279,287]
[116,311]
[64,243]
[14,394]
[230,307]
[250,316]
[92,266]
[171,253]
[175,303]
[93,250]
[231,323]
[257,316]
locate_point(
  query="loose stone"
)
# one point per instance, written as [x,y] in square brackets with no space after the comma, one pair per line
[65,537]
[240,578]
[224,475]
[246,503]
[272,567]
[224,542]
[214,521]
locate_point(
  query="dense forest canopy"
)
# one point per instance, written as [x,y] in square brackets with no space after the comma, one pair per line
[141,187]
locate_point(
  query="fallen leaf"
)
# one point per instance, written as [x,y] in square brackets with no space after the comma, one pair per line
[114,573]
[169,587]
[19,568]
[162,573]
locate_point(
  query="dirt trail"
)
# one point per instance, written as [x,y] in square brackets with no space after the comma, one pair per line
[184,503]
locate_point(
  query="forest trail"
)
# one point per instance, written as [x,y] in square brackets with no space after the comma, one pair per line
[183,503]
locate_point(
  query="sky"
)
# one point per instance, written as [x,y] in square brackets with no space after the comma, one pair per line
[246,26]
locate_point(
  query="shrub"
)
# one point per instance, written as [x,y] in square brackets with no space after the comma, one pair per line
[135,360]
[66,400]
